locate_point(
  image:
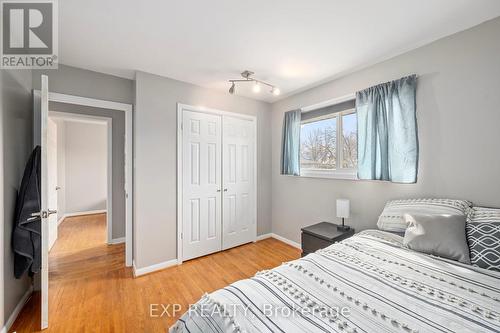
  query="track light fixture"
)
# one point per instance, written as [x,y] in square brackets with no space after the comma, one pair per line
[257,84]
[256,87]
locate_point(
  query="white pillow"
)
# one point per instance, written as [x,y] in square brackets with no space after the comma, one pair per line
[392,218]
[483,214]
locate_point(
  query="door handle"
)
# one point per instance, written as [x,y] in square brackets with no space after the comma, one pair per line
[58,188]
[218,190]
[42,214]
[225,190]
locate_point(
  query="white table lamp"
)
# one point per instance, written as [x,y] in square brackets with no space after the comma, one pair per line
[343,208]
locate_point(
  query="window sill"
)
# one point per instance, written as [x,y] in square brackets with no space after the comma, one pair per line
[346,174]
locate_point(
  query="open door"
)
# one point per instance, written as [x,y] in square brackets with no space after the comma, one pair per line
[41,111]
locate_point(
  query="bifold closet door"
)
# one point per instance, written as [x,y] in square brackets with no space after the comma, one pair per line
[202,181]
[239,213]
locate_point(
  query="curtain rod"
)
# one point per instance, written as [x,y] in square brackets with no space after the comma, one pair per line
[329,102]
[345,98]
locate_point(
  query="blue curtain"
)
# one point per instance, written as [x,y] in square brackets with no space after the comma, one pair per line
[290,150]
[387,131]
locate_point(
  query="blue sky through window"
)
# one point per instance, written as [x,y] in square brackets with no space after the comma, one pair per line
[349,125]
[308,128]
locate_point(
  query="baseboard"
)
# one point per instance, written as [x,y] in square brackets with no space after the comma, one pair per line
[87,212]
[264,236]
[117,241]
[61,220]
[153,268]
[280,238]
[169,263]
[17,310]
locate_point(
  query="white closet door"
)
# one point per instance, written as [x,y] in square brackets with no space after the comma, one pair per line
[201,184]
[239,220]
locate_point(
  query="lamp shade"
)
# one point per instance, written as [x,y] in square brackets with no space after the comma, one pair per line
[343,208]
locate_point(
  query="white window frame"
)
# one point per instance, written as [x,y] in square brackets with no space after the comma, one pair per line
[339,172]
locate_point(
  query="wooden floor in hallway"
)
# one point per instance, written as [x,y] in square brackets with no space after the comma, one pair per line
[91,290]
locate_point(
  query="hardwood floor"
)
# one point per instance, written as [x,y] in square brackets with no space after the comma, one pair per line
[91,290]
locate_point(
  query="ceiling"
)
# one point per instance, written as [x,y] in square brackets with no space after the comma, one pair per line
[294,44]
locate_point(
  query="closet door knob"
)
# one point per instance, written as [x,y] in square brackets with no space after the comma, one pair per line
[218,190]
[225,190]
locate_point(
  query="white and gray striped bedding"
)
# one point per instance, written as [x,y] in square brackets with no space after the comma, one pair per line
[483,214]
[386,287]
[391,218]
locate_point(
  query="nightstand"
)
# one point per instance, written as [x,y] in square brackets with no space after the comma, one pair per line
[321,235]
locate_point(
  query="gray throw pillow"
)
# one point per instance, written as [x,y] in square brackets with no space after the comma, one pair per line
[484,244]
[439,235]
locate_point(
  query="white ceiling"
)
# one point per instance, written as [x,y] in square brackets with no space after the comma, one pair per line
[294,44]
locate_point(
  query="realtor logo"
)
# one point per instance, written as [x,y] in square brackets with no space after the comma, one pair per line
[29,34]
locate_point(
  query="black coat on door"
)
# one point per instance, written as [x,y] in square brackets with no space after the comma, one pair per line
[26,235]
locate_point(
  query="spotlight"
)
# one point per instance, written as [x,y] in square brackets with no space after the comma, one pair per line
[256,87]
[257,84]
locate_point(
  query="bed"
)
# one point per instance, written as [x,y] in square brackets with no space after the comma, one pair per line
[367,283]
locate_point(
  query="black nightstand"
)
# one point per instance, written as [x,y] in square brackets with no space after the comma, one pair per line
[321,235]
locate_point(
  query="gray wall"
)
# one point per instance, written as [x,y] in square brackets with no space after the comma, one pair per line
[458,111]
[81,82]
[118,147]
[16,128]
[155,135]
[86,163]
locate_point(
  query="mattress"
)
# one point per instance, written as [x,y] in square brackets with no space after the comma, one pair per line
[367,283]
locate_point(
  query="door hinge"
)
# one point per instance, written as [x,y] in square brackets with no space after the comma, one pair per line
[181,235]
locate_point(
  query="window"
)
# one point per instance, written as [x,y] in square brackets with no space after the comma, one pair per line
[328,144]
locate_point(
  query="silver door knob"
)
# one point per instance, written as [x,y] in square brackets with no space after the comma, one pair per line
[218,190]
[42,214]
[225,190]
[58,188]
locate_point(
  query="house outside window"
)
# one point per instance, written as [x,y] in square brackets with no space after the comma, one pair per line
[328,142]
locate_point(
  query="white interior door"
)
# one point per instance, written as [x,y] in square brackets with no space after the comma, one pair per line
[128,185]
[239,206]
[45,212]
[52,178]
[201,208]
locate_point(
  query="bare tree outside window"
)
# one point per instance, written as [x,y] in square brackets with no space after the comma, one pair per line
[350,141]
[318,143]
